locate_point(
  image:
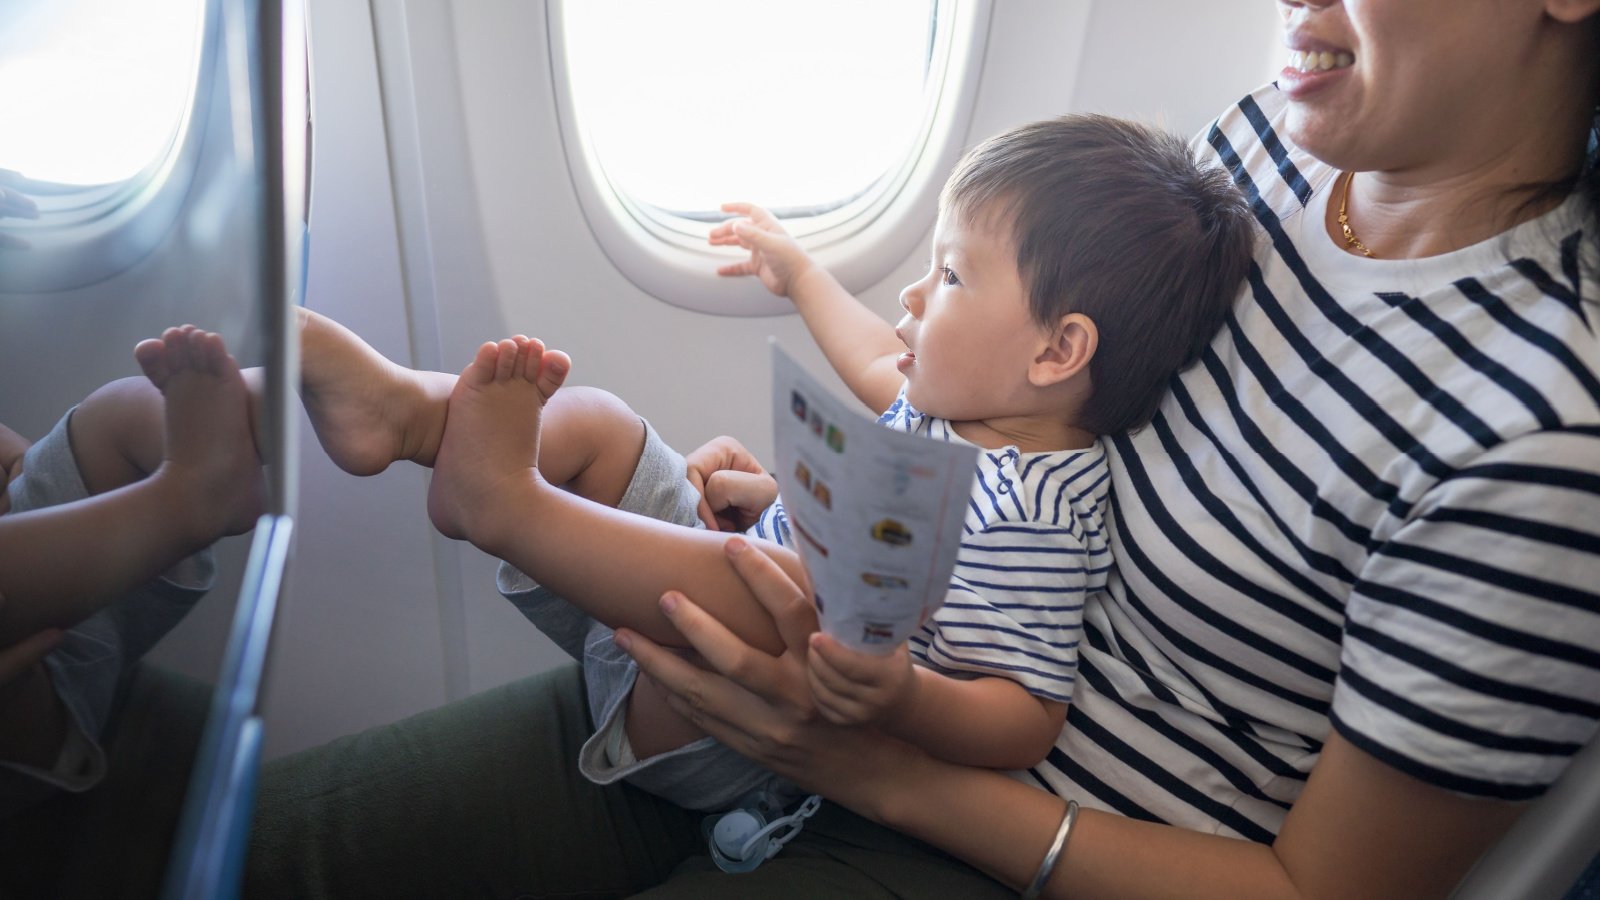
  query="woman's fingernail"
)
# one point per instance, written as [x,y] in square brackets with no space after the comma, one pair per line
[624,640]
[735,546]
[669,603]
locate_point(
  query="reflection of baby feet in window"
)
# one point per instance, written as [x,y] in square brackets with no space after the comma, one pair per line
[492,431]
[210,448]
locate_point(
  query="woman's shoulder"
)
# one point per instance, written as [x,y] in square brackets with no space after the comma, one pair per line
[1248,140]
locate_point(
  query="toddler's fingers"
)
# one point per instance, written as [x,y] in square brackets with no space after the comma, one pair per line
[758,214]
[850,664]
[836,709]
[729,489]
[824,675]
[722,235]
[748,267]
[837,715]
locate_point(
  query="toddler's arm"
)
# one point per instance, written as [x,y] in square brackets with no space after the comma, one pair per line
[987,721]
[859,344]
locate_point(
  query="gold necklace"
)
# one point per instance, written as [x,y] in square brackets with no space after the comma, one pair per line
[1350,238]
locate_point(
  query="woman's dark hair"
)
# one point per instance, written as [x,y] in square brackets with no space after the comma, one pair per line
[1117,221]
[1586,180]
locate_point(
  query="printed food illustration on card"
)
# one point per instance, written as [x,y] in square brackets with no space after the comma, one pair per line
[876,513]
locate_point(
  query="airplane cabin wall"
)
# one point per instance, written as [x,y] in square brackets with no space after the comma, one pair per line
[443,215]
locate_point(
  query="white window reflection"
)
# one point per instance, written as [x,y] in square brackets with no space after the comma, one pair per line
[93,91]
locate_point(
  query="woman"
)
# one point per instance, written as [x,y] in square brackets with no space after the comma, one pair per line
[1352,630]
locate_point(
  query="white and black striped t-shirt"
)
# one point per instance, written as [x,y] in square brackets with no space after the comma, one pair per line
[1033,548]
[1374,505]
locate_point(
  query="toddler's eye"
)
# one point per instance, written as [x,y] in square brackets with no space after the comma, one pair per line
[948,276]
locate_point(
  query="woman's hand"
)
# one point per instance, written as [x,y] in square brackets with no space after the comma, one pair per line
[761,705]
[733,487]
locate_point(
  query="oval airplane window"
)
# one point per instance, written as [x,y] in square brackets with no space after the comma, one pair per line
[841,116]
[93,91]
[96,97]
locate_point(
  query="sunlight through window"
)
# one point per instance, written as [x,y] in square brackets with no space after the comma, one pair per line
[794,106]
[92,91]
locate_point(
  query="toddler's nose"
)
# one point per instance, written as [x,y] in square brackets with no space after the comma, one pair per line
[911,299]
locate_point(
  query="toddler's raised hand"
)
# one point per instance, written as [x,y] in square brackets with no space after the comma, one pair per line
[855,688]
[775,257]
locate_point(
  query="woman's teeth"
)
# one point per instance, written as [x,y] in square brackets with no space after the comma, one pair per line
[1314,61]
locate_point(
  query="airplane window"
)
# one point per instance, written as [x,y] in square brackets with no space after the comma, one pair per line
[793,106]
[93,91]
[841,116]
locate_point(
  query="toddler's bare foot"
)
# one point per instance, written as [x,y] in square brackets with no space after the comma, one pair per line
[210,450]
[491,441]
[367,411]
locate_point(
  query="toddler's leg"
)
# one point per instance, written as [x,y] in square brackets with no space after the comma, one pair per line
[493,438]
[369,412]
[612,565]
[117,433]
[121,432]
[366,410]
[209,442]
[653,726]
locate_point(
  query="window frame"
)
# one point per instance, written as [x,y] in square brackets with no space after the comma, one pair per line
[860,242]
[86,234]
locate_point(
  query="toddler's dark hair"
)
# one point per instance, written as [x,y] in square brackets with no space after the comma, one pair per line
[1117,221]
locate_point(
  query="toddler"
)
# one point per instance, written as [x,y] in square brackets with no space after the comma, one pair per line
[1077,264]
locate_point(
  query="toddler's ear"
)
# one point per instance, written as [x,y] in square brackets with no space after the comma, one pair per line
[1067,349]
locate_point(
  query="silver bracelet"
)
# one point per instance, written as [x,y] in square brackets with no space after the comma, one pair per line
[1048,865]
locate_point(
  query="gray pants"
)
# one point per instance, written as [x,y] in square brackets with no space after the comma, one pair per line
[702,775]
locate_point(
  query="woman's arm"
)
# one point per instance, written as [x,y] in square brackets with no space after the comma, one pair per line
[1359,829]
